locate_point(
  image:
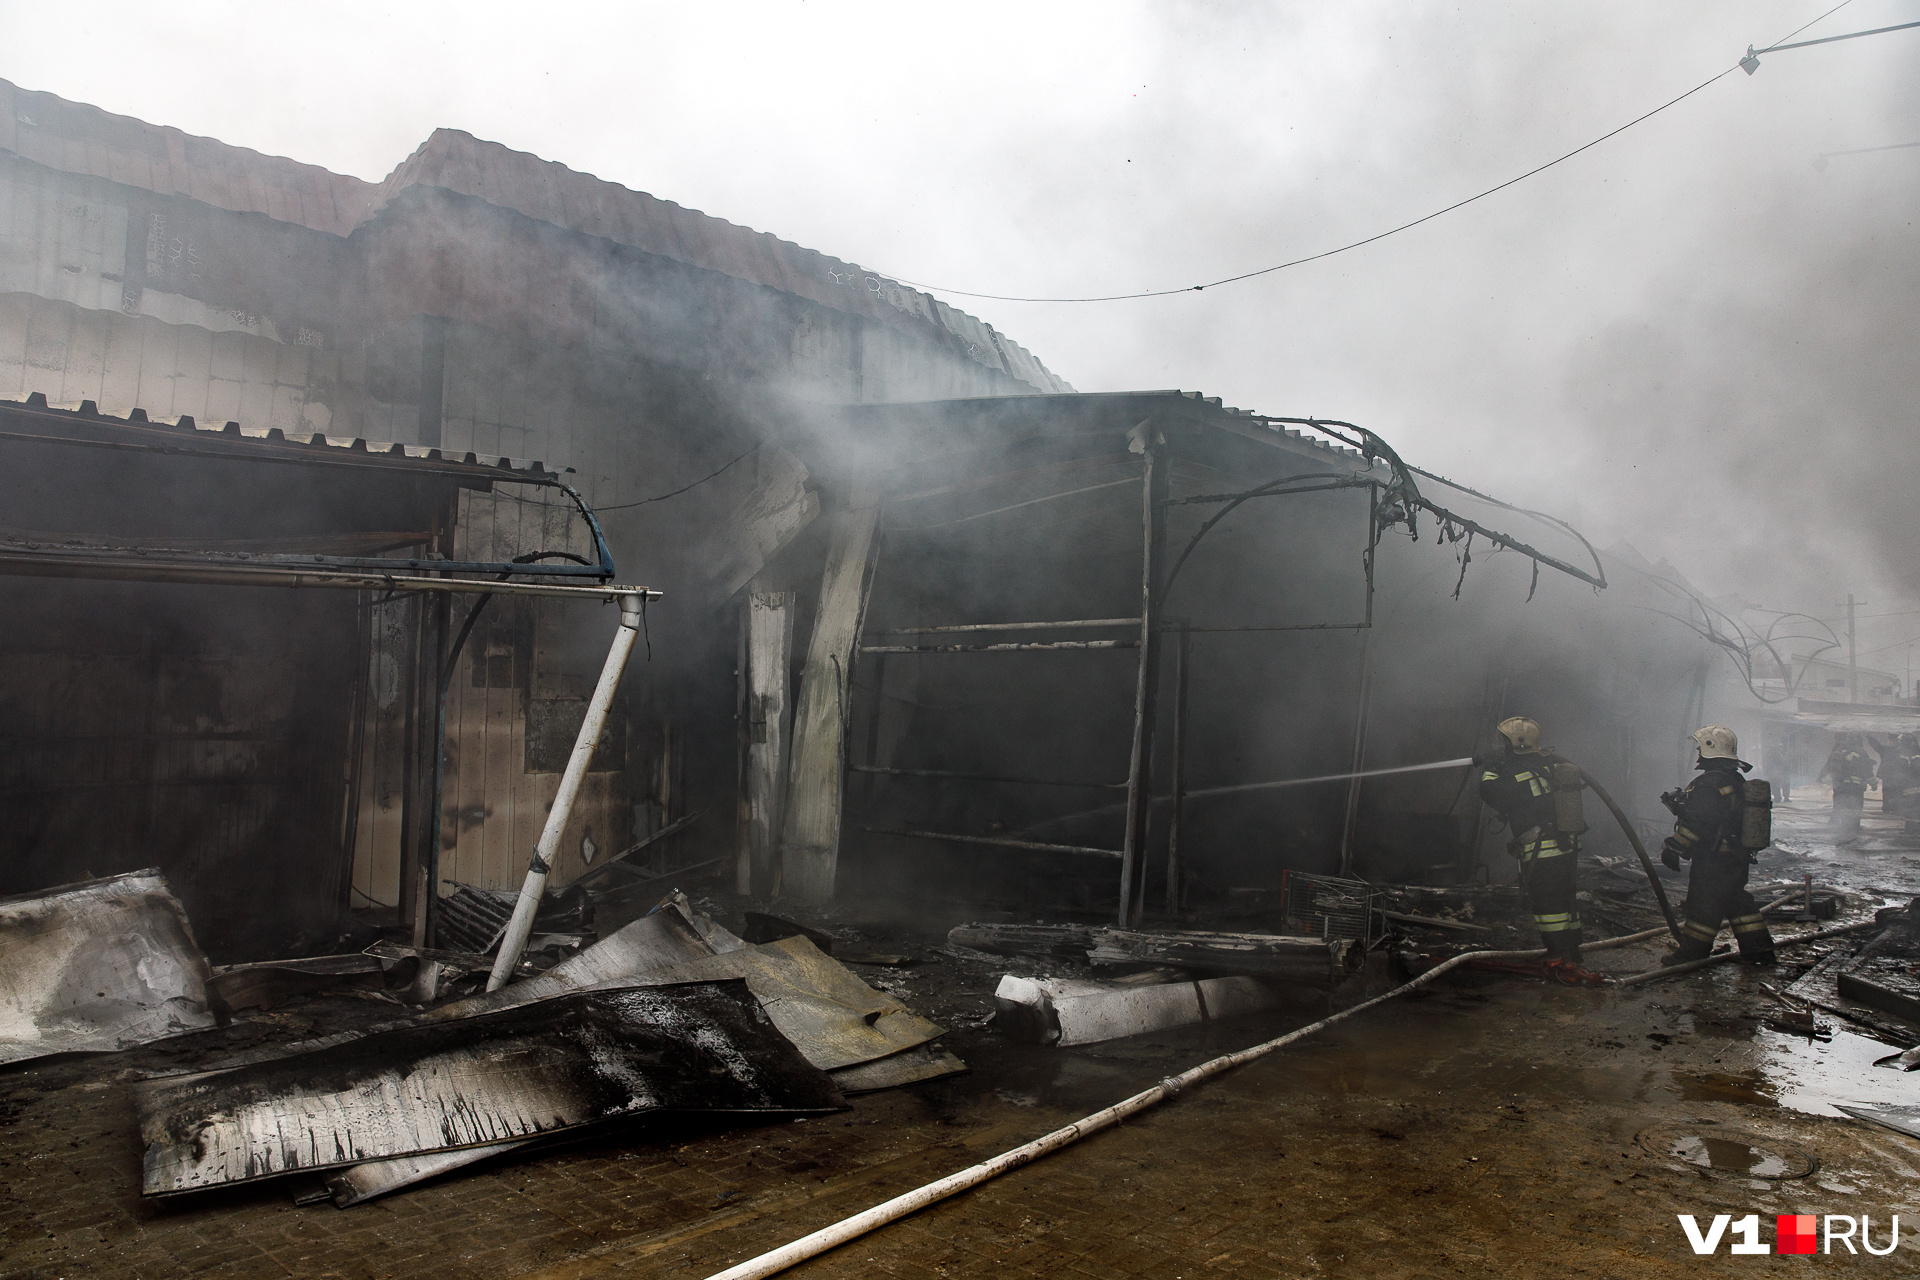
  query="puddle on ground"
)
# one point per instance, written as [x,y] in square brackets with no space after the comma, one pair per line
[1723,1156]
[1810,1076]
[1743,1088]
[1731,1151]
[1801,1074]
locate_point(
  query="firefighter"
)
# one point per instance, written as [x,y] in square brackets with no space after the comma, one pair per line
[1896,772]
[1518,785]
[1906,749]
[1851,770]
[1709,815]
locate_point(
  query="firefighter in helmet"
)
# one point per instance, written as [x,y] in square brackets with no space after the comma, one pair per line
[1709,815]
[1907,748]
[1518,784]
[1851,769]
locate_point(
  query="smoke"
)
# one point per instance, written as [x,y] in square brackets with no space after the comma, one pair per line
[1689,337]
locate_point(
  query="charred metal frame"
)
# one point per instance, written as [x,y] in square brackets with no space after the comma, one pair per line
[1156,580]
[1392,499]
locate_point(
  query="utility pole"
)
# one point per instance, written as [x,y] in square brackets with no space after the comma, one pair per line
[1853,667]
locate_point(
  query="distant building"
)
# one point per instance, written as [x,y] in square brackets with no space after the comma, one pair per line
[1825,679]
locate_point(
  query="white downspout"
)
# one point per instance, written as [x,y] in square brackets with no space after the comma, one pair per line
[521,926]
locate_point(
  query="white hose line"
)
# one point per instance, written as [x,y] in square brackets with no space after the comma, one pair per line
[839,1233]
[1721,957]
[900,1206]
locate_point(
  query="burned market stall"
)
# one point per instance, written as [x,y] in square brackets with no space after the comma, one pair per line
[171,703]
[1067,644]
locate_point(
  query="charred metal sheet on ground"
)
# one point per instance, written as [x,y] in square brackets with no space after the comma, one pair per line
[664,947]
[835,1019]
[910,1066]
[631,953]
[272,983]
[652,942]
[376,1178]
[101,965]
[579,1059]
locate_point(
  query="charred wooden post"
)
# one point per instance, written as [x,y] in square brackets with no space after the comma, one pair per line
[810,825]
[769,661]
[1153,495]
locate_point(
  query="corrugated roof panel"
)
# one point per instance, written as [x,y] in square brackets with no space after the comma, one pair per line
[79,414]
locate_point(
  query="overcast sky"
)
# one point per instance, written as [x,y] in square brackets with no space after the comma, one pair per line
[1693,336]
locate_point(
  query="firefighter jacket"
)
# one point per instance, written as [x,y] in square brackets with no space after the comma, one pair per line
[1709,813]
[1518,785]
[1851,770]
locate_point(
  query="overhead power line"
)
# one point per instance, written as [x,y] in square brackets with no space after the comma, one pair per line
[1405,226]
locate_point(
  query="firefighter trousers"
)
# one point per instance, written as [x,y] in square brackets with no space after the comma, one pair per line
[1844,823]
[1549,881]
[1716,892]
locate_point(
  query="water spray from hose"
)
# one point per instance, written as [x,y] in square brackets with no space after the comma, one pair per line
[1460,763]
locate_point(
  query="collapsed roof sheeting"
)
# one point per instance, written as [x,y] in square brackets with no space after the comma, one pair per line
[580,1059]
[653,941]
[835,1019]
[98,966]
[865,1039]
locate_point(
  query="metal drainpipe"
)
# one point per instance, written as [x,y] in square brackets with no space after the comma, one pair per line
[521,926]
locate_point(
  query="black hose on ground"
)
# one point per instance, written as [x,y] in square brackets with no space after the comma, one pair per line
[1633,838]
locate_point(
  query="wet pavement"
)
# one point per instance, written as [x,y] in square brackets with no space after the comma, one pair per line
[1492,1124]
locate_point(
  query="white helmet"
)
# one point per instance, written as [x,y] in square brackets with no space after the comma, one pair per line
[1717,742]
[1521,732]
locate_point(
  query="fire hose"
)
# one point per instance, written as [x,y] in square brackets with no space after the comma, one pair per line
[847,1229]
[1633,838]
[900,1206]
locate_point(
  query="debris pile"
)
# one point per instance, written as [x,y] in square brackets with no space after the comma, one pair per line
[529,1071]
[672,1013]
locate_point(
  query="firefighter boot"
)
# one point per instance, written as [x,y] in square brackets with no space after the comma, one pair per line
[1696,943]
[1563,959]
[1756,942]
